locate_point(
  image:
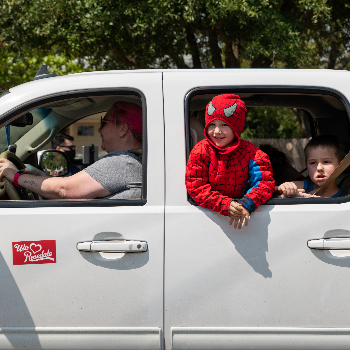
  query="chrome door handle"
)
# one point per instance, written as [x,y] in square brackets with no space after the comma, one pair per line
[114,246]
[340,243]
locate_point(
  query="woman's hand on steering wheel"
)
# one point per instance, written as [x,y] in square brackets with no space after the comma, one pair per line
[9,165]
[6,168]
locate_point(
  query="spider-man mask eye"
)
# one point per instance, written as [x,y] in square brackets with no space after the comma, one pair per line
[211,109]
[229,111]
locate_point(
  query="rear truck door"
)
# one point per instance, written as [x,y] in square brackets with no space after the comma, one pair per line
[58,291]
[261,286]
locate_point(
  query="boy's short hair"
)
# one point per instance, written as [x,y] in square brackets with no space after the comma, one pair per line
[326,141]
[60,139]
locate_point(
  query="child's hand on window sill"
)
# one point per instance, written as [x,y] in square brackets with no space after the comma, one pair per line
[238,215]
[235,209]
[289,190]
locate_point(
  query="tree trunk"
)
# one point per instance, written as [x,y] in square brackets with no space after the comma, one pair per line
[192,42]
[232,54]
[214,48]
[333,55]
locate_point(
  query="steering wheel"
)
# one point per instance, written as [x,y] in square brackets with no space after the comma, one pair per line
[7,187]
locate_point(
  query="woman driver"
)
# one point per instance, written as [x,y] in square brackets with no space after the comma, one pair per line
[118,175]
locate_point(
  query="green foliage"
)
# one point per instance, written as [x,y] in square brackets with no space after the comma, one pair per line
[122,34]
[81,35]
[268,122]
[19,68]
[329,40]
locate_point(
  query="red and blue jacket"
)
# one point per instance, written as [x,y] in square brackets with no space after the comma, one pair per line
[216,176]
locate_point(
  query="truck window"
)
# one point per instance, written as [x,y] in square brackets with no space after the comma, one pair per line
[81,118]
[279,121]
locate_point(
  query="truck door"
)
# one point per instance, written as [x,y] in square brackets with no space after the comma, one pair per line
[261,286]
[68,294]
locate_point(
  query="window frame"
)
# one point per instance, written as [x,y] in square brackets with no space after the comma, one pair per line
[67,95]
[311,90]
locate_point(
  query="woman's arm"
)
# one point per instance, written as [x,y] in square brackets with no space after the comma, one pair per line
[78,186]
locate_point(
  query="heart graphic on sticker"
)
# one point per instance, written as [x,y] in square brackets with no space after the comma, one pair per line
[35,248]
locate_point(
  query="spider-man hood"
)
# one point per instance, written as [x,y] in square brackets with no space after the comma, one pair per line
[230,109]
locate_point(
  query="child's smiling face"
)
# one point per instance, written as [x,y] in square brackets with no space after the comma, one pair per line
[220,133]
[321,162]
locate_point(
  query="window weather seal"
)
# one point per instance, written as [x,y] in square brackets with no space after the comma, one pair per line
[73,203]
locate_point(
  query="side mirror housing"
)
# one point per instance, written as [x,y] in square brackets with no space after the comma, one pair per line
[54,163]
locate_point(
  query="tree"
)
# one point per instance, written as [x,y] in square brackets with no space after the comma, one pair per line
[123,34]
[270,122]
[79,35]
[329,39]
[18,68]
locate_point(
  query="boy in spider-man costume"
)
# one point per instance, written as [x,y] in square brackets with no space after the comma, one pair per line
[220,166]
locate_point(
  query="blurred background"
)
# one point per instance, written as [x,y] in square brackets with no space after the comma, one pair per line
[85,35]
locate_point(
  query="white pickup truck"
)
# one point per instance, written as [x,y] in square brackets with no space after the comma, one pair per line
[197,283]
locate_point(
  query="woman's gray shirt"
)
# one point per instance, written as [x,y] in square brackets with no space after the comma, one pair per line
[120,173]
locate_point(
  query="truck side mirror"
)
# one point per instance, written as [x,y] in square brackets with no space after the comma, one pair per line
[54,163]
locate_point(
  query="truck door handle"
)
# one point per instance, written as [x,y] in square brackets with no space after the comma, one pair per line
[341,243]
[114,246]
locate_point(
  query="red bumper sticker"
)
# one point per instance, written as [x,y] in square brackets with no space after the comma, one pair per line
[34,252]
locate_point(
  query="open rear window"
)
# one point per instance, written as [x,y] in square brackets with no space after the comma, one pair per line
[284,119]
